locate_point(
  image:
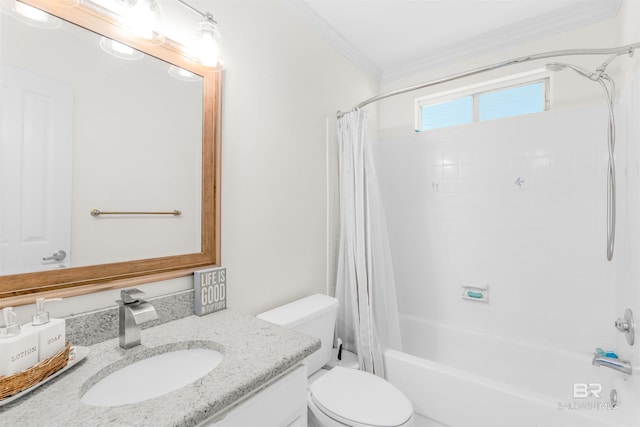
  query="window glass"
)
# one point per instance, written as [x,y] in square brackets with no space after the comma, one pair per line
[511,102]
[451,113]
[478,105]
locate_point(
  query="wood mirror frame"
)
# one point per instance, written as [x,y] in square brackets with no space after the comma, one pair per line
[19,289]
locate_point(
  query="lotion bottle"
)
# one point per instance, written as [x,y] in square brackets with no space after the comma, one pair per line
[18,350]
[52,332]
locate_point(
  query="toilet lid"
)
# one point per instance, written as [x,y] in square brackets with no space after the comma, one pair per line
[360,398]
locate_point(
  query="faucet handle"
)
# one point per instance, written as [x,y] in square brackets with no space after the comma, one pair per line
[627,326]
[130,296]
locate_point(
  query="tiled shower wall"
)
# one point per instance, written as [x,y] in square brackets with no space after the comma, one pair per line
[627,257]
[517,204]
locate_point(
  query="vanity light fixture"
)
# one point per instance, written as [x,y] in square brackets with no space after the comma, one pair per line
[209,39]
[119,50]
[33,16]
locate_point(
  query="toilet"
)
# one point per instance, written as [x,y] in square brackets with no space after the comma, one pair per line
[339,394]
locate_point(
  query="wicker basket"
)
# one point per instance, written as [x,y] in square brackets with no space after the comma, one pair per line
[14,384]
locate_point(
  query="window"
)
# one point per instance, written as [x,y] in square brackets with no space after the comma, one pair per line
[523,94]
[449,113]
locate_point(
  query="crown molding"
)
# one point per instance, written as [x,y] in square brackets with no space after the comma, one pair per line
[565,19]
[335,39]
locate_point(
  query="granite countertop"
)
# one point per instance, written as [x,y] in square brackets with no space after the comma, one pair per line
[254,351]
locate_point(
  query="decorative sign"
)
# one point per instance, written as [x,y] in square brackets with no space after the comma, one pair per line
[210,290]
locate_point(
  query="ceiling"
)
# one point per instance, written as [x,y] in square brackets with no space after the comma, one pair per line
[393,38]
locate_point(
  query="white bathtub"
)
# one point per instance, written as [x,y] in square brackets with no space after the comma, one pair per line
[461,378]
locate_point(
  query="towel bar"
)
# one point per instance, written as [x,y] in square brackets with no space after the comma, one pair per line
[96,212]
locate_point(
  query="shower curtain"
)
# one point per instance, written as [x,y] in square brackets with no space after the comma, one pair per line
[368,315]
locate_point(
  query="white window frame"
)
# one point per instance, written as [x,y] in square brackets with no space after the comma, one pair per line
[477,89]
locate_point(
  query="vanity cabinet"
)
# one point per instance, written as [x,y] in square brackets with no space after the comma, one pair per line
[283,403]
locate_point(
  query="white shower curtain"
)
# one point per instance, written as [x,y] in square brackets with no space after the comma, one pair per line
[368,314]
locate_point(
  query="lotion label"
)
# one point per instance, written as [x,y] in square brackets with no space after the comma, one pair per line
[18,353]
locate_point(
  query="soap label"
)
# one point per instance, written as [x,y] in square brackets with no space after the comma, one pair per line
[210,290]
[54,339]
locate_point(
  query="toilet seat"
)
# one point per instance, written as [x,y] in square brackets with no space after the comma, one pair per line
[360,399]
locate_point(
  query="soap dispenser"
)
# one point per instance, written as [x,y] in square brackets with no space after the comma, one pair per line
[18,350]
[51,331]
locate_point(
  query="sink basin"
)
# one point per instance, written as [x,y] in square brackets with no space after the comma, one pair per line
[152,377]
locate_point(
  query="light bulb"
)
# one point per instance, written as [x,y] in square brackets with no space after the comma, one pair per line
[142,21]
[119,50]
[185,73]
[182,74]
[208,50]
[143,18]
[209,43]
[31,12]
[33,16]
[122,48]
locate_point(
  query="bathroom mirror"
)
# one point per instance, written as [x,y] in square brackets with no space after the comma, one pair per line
[143,138]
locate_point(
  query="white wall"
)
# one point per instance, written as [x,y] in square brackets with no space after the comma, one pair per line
[282,86]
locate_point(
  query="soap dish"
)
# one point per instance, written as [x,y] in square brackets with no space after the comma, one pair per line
[16,385]
[475,292]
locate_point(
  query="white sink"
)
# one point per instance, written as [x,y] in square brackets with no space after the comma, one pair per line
[152,377]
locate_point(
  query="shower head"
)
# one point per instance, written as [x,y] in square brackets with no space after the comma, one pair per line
[559,66]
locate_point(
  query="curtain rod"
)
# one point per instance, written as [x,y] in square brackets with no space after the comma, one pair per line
[614,51]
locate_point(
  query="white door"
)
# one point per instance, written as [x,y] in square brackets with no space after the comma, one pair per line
[36,138]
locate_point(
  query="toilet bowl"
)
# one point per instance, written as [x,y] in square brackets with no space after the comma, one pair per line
[350,397]
[339,394]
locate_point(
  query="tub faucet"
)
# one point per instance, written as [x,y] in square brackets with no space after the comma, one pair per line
[133,312]
[619,365]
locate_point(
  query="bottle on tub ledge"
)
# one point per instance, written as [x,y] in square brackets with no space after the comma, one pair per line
[18,349]
[51,332]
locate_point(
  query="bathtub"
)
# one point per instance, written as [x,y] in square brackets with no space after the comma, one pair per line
[462,378]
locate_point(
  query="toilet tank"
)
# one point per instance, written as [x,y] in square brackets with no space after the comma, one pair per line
[314,315]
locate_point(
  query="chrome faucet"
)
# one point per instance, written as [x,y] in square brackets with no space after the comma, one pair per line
[133,312]
[619,365]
